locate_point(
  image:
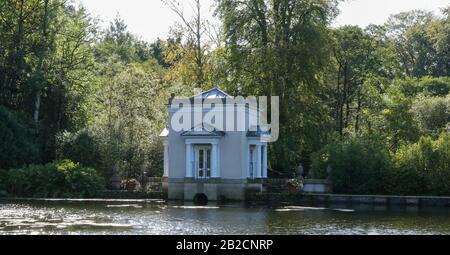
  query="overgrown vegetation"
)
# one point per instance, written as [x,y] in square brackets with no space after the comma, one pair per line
[355,166]
[423,167]
[362,166]
[60,179]
[18,145]
[354,98]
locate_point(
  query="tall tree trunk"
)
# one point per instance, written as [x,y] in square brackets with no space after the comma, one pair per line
[37,107]
[347,113]
[346,99]
[42,55]
[338,100]
[15,62]
[195,31]
[358,111]
[200,78]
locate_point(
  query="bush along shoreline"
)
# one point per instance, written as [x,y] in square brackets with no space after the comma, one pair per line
[60,179]
[357,166]
[365,166]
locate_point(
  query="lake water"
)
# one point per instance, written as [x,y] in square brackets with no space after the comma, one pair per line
[158,217]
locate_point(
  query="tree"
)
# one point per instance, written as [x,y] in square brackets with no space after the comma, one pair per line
[419,38]
[432,114]
[128,116]
[364,64]
[18,145]
[191,42]
[45,56]
[279,48]
[42,54]
[20,25]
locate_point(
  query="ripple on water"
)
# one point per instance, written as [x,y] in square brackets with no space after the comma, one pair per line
[125,206]
[306,208]
[195,207]
[135,217]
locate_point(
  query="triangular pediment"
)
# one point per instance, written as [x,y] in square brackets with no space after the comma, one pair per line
[212,93]
[204,130]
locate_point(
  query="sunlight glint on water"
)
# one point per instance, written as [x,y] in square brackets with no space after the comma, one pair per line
[60,217]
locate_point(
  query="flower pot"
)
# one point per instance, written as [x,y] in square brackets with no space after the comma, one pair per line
[131,185]
[292,188]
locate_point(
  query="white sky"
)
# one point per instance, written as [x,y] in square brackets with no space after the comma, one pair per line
[150,19]
[365,12]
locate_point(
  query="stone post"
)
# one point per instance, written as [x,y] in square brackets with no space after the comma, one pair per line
[188,161]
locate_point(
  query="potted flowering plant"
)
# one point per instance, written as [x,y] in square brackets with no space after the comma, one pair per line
[129,185]
[293,185]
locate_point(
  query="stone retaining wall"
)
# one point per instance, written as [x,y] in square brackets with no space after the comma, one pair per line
[122,194]
[311,199]
[316,186]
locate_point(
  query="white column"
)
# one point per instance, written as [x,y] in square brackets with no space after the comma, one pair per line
[188,160]
[166,158]
[247,162]
[264,167]
[214,157]
[258,161]
[218,162]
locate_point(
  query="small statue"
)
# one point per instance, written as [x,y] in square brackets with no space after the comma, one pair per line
[143,180]
[300,178]
[329,169]
[115,180]
[300,170]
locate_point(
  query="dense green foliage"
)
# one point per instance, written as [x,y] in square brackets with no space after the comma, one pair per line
[432,114]
[59,179]
[17,146]
[362,166]
[350,97]
[357,166]
[71,91]
[81,147]
[3,181]
[280,48]
[423,167]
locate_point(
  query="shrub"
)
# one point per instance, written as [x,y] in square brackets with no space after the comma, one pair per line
[428,86]
[80,147]
[102,149]
[59,179]
[16,146]
[399,124]
[3,179]
[432,114]
[358,166]
[423,168]
[85,181]
[435,86]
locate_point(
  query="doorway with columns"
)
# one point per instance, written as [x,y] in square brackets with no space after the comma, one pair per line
[257,160]
[202,158]
[202,161]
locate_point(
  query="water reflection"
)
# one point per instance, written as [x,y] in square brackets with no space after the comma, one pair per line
[156,217]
